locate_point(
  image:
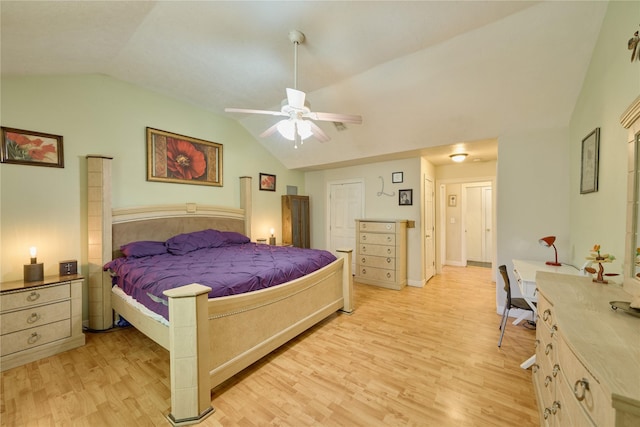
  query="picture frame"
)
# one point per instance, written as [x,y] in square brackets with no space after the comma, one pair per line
[453,200]
[267,182]
[26,147]
[181,159]
[397,177]
[590,162]
[405,197]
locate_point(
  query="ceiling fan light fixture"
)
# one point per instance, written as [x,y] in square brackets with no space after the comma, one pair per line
[287,129]
[458,157]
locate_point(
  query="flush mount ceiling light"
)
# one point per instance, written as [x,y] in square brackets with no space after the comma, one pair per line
[458,157]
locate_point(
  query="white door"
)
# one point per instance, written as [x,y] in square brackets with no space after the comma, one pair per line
[429,231]
[487,220]
[345,206]
[477,222]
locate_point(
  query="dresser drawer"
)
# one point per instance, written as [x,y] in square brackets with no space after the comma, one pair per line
[545,311]
[381,227]
[378,250]
[34,337]
[35,316]
[36,296]
[377,274]
[592,398]
[377,261]
[570,413]
[378,239]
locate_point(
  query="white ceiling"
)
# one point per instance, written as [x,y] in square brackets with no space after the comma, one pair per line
[423,74]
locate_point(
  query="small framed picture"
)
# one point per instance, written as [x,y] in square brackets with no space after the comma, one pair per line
[396,177]
[453,200]
[267,182]
[589,169]
[25,147]
[405,197]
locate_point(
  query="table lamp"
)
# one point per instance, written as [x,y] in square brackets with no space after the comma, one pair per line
[33,272]
[548,242]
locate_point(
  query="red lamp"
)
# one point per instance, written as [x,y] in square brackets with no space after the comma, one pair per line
[548,242]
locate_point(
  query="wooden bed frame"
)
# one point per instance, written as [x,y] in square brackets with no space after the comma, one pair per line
[210,340]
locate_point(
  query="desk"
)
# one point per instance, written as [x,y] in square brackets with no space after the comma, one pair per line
[525,272]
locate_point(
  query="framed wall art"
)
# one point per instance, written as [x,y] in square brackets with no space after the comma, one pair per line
[590,158]
[453,200]
[396,177]
[25,147]
[405,197]
[182,159]
[267,182]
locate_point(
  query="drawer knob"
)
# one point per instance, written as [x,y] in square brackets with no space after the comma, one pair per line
[363,260]
[388,275]
[555,407]
[548,349]
[364,271]
[364,249]
[580,389]
[33,318]
[547,413]
[556,369]
[33,296]
[388,260]
[546,314]
[388,238]
[554,329]
[537,343]
[389,251]
[33,338]
[535,368]
[547,381]
[364,237]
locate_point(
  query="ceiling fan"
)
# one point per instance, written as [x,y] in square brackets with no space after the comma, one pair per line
[299,124]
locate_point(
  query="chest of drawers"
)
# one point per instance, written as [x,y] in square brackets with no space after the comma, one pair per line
[587,356]
[381,253]
[39,319]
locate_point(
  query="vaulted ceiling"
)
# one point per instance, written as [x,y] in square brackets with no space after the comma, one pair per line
[423,74]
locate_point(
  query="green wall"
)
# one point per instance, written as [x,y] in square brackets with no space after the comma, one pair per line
[46,207]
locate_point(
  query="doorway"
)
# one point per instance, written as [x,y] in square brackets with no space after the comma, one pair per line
[346,204]
[477,214]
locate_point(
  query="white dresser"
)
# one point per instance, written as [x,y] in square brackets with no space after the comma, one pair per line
[381,252]
[587,370]
[39,319]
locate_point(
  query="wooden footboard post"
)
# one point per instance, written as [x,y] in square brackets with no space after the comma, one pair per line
[347,279]
[189,354]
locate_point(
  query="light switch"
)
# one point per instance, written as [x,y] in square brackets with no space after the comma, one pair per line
[453,220]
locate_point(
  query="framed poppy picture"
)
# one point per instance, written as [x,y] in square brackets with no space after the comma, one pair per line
[267,182]
[183,159]
[25,147]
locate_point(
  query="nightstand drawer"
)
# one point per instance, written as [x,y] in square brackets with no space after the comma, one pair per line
[36,296]
[35,316]
[22,340]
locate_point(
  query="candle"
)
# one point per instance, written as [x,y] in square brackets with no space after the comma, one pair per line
[32,252]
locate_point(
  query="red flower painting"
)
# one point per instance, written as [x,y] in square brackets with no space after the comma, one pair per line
[31,148]
[184,161]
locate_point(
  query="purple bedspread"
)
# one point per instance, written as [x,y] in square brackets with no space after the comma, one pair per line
[228,270]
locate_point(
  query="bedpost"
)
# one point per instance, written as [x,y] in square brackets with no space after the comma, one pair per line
[189,354]
[347,279]
[99,240]
[245,202]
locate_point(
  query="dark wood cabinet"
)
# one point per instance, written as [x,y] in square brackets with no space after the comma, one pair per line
[295,221]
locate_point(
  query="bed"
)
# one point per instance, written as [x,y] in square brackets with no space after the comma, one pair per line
[212,339]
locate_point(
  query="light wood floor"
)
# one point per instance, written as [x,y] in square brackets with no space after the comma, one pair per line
[416,357]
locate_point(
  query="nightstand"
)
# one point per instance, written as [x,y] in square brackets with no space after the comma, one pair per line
[39,319]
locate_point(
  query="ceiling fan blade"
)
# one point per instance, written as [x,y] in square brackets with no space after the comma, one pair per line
[295,98]
[296,135]
[270,131]
[334,117]
[318,133]
[246,110]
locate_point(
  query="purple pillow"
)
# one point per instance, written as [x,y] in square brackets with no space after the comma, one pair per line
[234,238]
[143,248]
[189,242]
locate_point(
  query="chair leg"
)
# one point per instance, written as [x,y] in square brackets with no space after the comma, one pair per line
[503,325]
[504,312]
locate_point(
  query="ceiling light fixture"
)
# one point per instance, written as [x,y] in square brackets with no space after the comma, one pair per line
[458,157]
